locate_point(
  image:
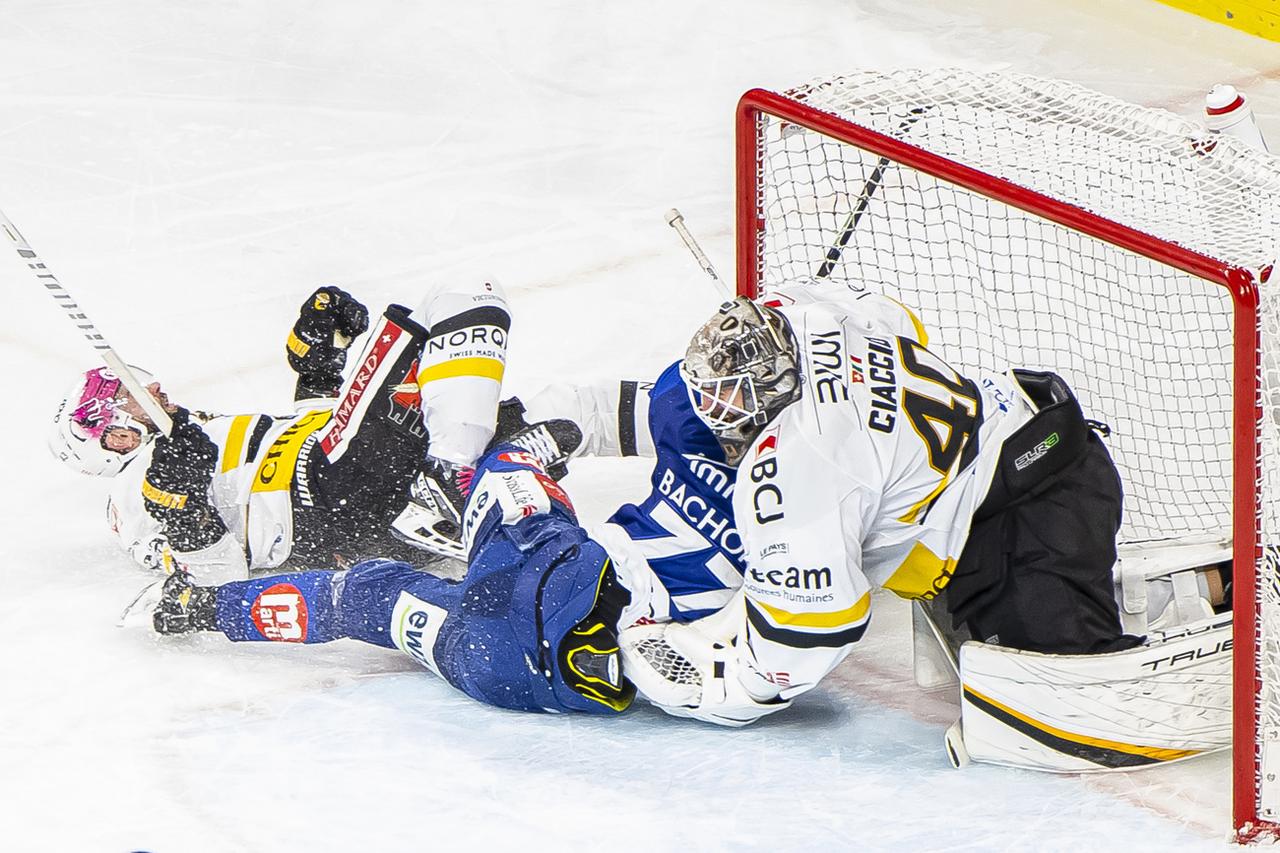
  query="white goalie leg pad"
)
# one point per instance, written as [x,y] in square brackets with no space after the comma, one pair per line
[613,416]
[1165,700]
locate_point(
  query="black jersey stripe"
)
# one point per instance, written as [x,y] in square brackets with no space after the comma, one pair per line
[802,639]
[490,315]
[255,438]
[627,418]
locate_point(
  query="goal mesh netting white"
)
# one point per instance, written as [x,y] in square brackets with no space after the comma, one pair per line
[1148,347]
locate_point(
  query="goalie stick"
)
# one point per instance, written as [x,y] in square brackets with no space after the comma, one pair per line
[76,315]
[864,199]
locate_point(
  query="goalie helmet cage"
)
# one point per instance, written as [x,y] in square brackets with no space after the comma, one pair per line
[1034,223]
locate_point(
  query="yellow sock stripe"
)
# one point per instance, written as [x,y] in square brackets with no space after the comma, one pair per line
[1155,753]
[485,368]
[297,346]
[837,619]
[235,441]
[166,499]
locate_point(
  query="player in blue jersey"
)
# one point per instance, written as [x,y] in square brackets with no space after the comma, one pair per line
[531,627]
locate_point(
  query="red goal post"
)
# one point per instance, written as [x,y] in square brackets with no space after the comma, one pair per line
[1055,227]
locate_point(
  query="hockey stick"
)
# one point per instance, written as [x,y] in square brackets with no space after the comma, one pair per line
[676,220]
[864,199]
[76,315]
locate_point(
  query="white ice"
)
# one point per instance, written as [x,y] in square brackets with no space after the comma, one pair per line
[191,170]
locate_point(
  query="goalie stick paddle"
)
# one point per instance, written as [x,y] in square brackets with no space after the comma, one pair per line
[76,315]
[864,199]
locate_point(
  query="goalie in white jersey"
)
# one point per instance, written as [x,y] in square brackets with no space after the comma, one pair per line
[864,460]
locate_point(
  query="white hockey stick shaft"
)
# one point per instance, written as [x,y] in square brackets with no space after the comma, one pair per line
[76,315]
[676,220]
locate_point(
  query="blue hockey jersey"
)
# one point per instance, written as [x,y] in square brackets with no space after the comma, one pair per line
[684,529]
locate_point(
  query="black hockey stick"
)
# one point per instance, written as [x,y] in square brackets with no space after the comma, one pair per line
[864,199]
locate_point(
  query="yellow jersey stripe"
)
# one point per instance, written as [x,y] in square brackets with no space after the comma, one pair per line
[297,346]
[912,514]
[922,574]
[1156,753]
[922,334]
[169,500]
[235,441]
[485,368]
[275,472]
[836,619]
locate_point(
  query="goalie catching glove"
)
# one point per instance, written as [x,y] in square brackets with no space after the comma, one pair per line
[317,346]
[687,670]
[175,490]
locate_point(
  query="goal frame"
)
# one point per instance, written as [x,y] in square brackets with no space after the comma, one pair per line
[1246,367]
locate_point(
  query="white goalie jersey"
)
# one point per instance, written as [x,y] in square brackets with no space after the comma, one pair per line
[870,479]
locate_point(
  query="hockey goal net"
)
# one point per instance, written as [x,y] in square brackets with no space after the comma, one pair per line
[1035,223]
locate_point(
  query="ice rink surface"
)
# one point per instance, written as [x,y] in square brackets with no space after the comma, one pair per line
[192,170]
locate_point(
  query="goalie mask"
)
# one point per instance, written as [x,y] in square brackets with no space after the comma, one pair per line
[91,431]
[741,371]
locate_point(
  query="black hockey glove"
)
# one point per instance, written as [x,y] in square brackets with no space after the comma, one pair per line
[175,490]
[185,607]
[312,350]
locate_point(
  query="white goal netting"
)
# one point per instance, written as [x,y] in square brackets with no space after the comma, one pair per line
[1148,348]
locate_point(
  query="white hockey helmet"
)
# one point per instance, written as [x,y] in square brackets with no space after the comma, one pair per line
[741,368]
[86,414]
